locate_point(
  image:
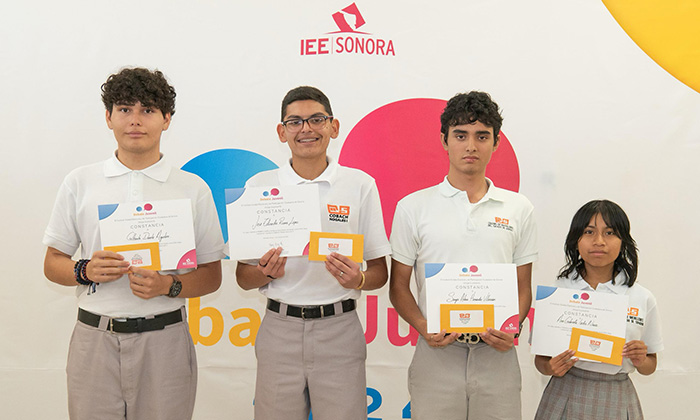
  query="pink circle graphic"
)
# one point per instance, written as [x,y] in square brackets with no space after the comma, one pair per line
[147,207]
[473,269]
[399,145]
[274,191]
[584,296]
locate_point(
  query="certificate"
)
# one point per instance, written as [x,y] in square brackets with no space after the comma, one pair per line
[469,298]
[593,324]
[322,244]
[261,218]
[158,235]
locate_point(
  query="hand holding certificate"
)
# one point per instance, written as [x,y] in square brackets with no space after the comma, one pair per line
[157,235]
[592,324]
[469,298]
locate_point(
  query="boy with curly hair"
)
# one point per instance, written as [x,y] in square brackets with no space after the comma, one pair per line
[131,355]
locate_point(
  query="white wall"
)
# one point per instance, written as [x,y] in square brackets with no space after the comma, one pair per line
[588,113]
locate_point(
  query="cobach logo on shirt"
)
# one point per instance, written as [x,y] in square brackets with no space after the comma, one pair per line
[347,39]
[501,223]
[338,213]
[633,316]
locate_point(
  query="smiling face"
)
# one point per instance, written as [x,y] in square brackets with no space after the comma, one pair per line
[469,147]
[598,245]
[137,130]
[308,143]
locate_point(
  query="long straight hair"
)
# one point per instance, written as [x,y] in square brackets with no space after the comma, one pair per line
[615,218]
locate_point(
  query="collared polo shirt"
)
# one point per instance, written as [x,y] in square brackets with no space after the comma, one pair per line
[74,224]
[439,225]
[643,322]
[308,282]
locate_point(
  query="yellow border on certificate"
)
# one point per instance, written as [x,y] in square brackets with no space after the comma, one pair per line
[446,308]
[616,354]
[154,247]
[358,243]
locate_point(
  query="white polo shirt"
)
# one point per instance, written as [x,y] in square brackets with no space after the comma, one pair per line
[75,223]
[308,282]
[439,225]
[643,322]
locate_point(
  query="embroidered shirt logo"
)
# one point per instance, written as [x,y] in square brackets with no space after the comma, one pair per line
[338,213]
[501,223]
[633,316]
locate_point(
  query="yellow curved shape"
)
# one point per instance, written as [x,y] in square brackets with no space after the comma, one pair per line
[667,30]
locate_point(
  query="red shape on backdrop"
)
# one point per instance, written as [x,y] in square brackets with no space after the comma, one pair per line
[399,145]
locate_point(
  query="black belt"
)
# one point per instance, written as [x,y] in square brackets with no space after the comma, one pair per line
[130,325]
[308,312]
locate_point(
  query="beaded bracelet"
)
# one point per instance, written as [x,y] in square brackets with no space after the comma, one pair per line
[80,272]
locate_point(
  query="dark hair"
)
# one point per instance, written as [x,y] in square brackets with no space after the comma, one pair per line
[305,93]
[615,218]
[468,108]
[138,84]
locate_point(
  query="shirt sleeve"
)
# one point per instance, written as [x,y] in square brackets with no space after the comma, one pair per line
[207,229]
[526,249]
[372,225]
[404,238]
[62,230]
[652,327]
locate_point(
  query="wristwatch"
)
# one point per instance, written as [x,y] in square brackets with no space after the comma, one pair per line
[176,287]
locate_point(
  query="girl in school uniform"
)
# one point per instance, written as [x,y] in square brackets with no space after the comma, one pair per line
[601,256]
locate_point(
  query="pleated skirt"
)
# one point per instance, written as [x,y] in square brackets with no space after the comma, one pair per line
[585,395]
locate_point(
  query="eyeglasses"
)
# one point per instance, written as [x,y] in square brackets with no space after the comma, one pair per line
[317,121]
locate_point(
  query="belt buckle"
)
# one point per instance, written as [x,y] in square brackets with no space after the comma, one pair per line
[303,312]
[469,338]
[111,325]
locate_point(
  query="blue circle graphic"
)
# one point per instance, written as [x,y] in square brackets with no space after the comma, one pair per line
[226,168]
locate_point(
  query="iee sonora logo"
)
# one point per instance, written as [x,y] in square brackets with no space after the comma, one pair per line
[347,39]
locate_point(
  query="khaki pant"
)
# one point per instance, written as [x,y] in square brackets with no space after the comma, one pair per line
[316,364]
[135,376]
[464,381]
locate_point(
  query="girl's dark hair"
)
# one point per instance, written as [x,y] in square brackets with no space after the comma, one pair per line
[615,218]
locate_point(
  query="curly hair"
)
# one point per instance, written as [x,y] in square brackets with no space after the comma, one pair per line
[306,93]
[615,218]
[132,85]
[468,108]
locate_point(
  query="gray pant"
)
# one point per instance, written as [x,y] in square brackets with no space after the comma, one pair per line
[464,381]
[316,364]
[139,376]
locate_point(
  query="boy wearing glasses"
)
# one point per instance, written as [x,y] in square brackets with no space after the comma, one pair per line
[463,376]
[311,346]
[131,355]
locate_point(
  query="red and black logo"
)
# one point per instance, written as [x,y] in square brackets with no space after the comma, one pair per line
[347,39]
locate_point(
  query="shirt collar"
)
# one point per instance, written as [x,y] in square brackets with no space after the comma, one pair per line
[493,193]
[159,171]
[577,282]
[290,177]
